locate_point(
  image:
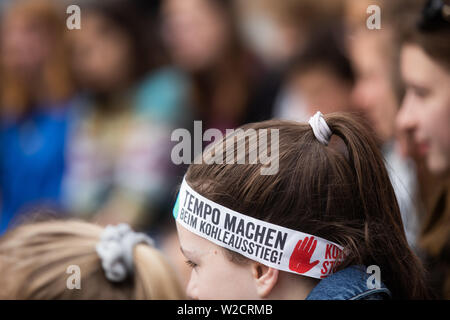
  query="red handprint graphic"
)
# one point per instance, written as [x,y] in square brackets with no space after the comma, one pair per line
[301,256]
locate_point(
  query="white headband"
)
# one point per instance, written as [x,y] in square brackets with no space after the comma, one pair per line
[272,245]
[320,128]
[115,250]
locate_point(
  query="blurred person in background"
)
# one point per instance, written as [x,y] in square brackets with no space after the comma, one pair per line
[278,32]
[320,76]
[377,95]
[203,39]
[35,103]
[425,117]
[119,167]
[40,261]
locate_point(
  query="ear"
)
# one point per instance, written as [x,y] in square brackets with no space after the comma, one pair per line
[265,278]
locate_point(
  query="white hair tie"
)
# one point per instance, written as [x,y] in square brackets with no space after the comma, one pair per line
[320,128]
[115,250]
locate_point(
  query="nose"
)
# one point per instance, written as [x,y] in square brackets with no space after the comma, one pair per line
[406,117]
[191,289]
[406,126]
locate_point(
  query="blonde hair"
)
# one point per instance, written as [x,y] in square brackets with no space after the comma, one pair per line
[34,259]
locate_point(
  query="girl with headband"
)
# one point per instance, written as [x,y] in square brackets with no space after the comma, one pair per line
[325,226]
[41,260]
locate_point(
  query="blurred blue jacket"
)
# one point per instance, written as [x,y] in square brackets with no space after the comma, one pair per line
[32,161]
[348,284]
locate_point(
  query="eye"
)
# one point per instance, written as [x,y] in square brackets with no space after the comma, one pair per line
[191,264]
[420,92]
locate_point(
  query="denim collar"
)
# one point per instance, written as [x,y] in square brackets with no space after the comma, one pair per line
[348,284]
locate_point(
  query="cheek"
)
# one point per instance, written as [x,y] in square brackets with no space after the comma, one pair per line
[384,103]
[222,279]
[115,54]
[373,95]
[436,120]
[442,132]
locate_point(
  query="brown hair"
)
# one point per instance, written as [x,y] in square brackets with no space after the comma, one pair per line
[430,31]
[16,95]
[34,259]
[146,49]
[222,90]
[340,192]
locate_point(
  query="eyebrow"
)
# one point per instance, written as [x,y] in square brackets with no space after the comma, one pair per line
[185,252]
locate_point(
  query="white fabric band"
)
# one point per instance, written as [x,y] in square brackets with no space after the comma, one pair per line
[320,128]
[272,245]
[115,250]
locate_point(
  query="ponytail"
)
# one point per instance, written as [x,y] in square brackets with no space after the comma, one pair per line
[384,237]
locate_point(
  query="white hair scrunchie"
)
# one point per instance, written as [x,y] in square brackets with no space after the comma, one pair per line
[320,128]
[115,250]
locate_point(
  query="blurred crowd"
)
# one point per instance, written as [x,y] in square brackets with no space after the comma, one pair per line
[86,115]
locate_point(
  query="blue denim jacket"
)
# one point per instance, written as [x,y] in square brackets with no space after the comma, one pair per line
[348,284]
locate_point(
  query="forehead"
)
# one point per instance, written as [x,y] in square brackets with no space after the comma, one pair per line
[191,243]
[416,65]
